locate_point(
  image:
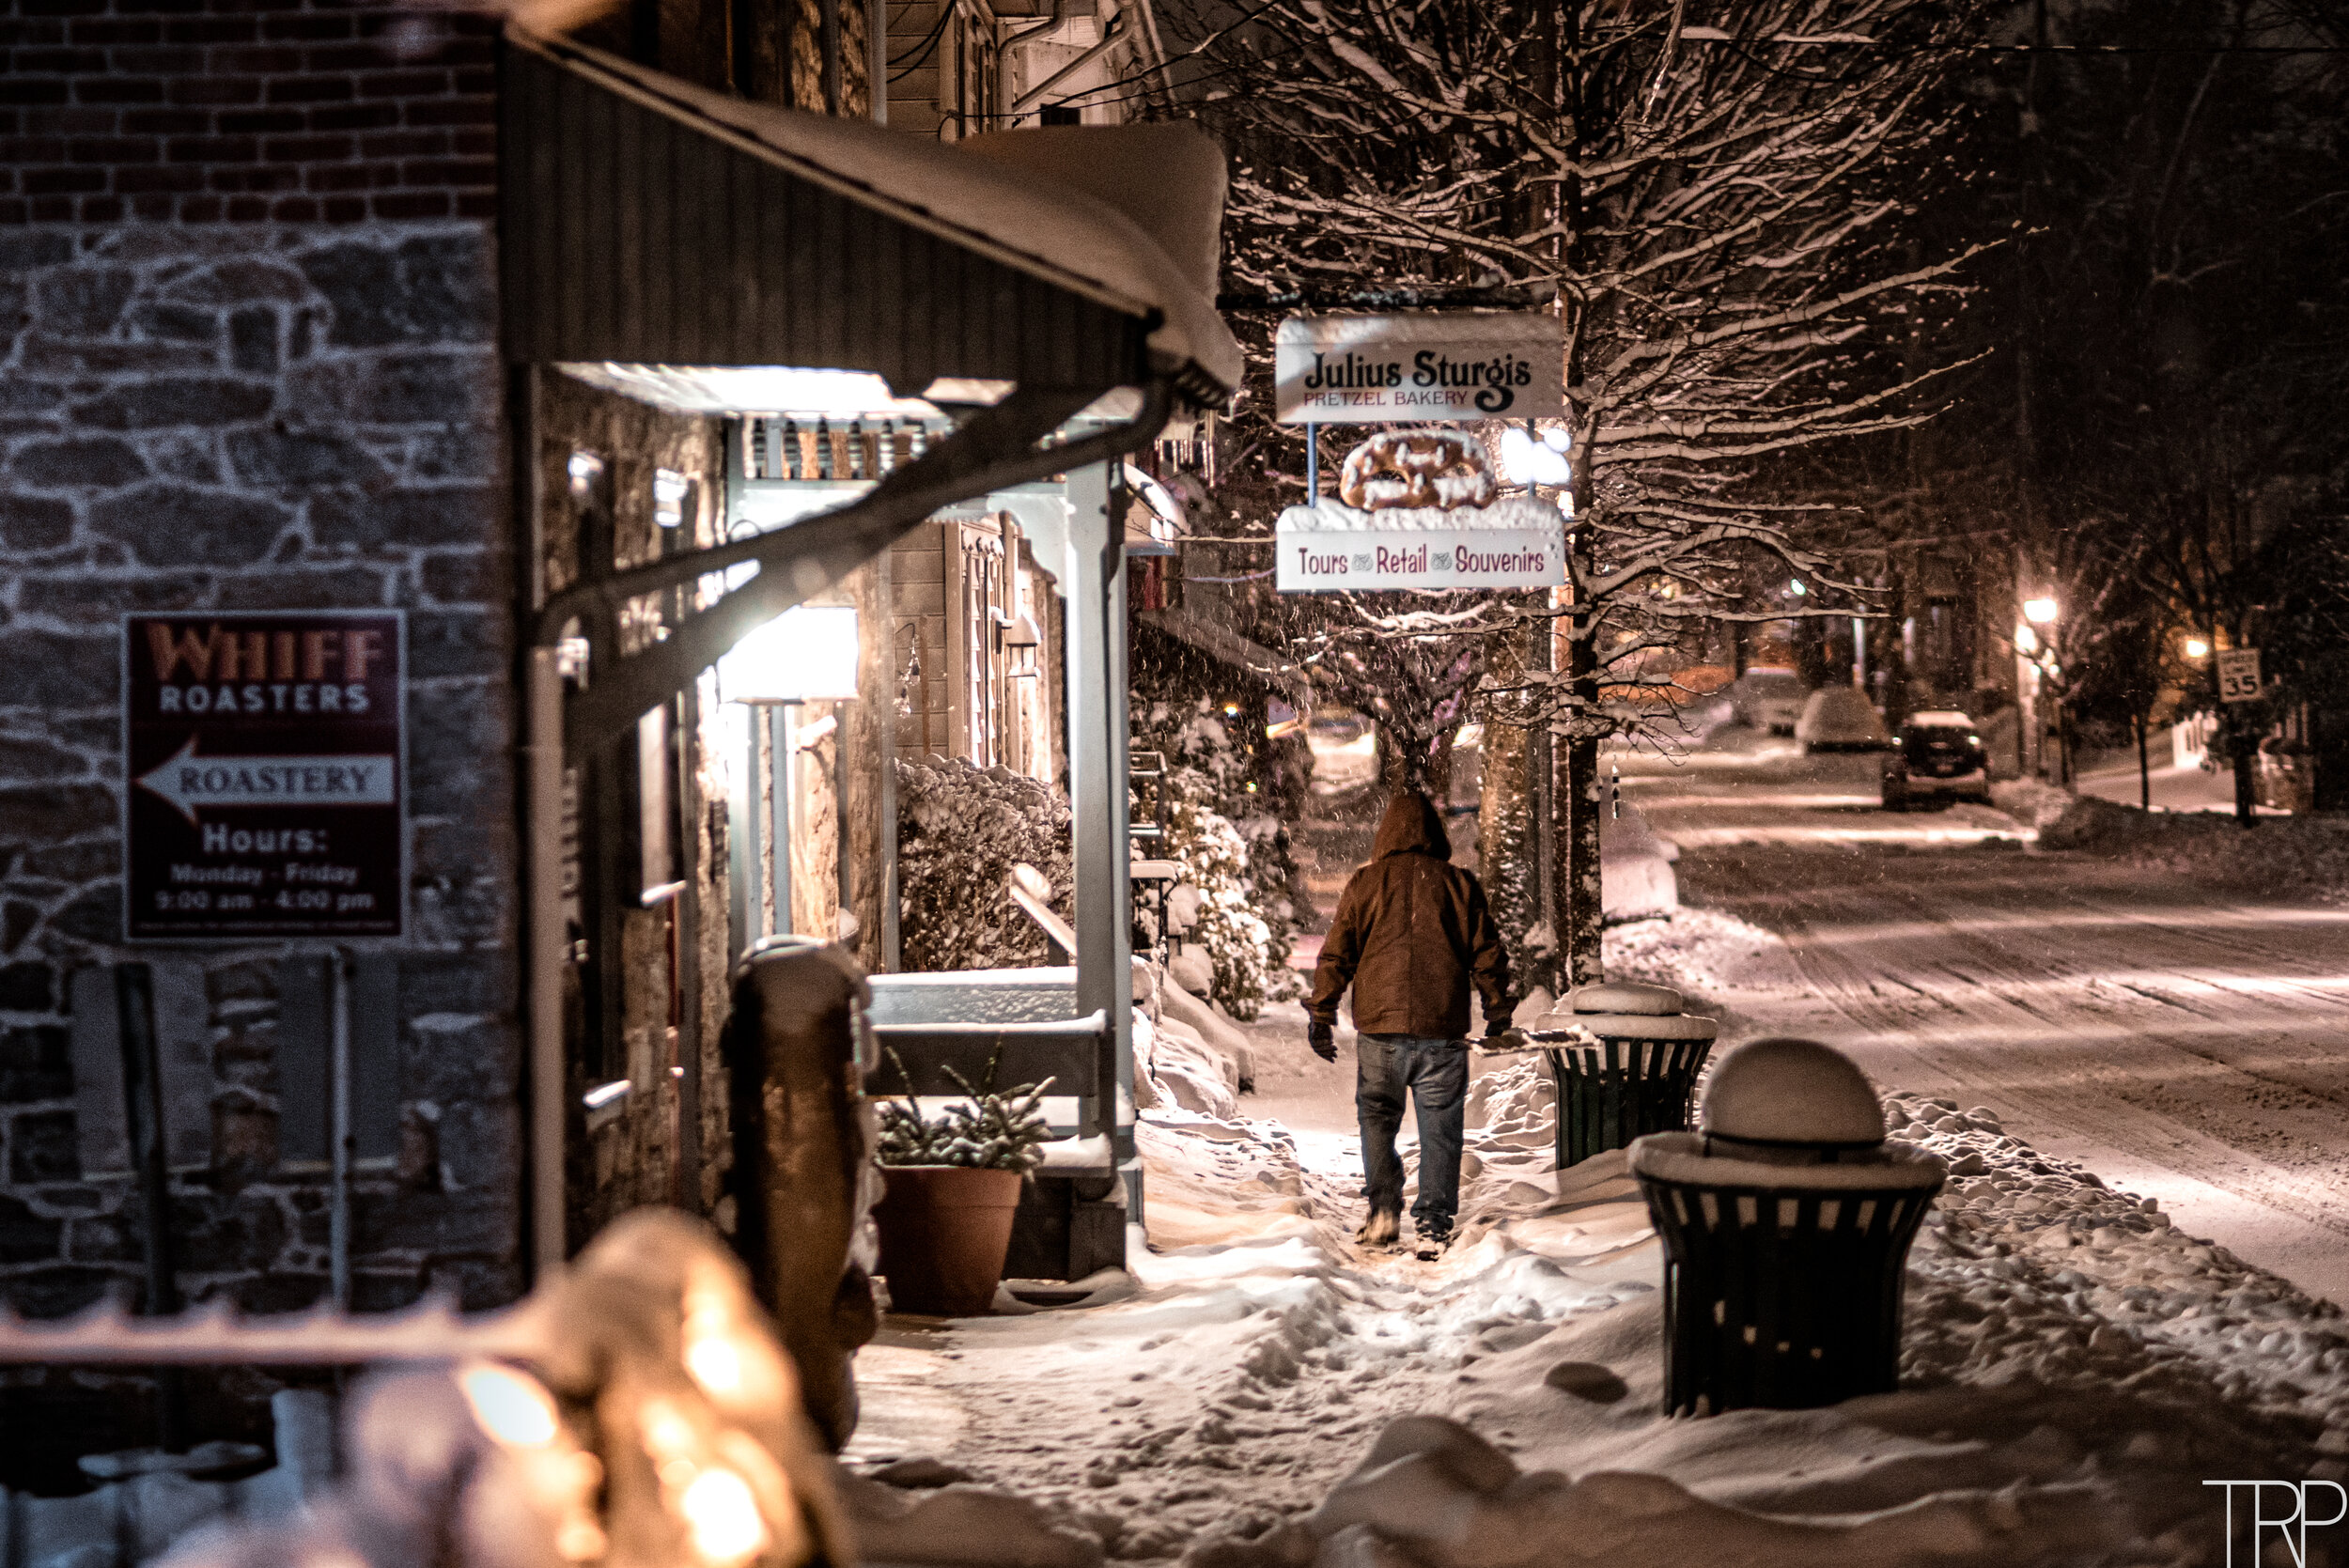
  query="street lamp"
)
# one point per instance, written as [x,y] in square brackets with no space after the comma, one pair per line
[2042,610]
[2197,648]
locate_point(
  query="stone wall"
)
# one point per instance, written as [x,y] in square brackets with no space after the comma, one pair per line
[256,416]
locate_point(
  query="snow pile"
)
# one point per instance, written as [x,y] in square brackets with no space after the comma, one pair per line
[1636,877]
[960,830]
[2295,856]
[2032,1266]
[2032,803]
[1177,1067]
[1693,950]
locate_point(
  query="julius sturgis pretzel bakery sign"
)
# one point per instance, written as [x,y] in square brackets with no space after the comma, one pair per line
[1386,369]
[1419,510]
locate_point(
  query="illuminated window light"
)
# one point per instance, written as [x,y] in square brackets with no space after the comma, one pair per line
[668,497]
[805,655]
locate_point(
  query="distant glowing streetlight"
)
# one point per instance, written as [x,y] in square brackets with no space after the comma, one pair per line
[1528,459]
[2039,612]
[2197,648]
[1796,588]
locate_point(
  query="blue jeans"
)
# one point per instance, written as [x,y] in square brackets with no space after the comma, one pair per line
[1435,1073]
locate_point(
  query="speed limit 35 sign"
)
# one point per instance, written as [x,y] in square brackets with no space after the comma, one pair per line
[2238,675]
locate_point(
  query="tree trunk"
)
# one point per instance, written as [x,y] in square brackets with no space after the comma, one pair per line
[1508,841]
[1575,875]
[1580,875]
[2144,762]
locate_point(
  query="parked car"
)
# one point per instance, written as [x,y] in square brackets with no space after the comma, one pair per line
[1939,756]
[1841,718]
[1768,698]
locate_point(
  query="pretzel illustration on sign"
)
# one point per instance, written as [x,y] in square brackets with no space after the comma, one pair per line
[1423,471]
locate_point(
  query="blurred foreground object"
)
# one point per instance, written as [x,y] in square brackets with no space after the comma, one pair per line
[636,1410]
[797,1047]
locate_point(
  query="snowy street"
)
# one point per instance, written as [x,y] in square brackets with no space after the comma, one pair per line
[2189,1045]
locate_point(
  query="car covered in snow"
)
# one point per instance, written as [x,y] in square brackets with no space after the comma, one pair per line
[1841,718]
[1768,699]
[1939,756]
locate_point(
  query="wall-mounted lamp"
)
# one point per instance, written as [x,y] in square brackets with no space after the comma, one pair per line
[805,655]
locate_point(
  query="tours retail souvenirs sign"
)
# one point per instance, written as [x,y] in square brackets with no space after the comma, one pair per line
[1437,368]
[1420,511]
[265,767]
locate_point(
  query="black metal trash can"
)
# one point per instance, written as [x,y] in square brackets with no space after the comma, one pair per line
[1782,1284]
[1640,1078]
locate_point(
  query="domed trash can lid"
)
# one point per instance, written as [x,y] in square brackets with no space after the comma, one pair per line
[1623,1010]
[1789,1093]
[1627,996]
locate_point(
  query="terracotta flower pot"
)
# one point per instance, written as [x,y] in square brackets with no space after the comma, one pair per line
[944,1231]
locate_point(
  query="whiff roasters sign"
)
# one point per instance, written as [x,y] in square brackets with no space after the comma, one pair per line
[264,756]
[1417,509]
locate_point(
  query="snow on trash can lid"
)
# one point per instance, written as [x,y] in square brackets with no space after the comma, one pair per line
[1787,1092]
[1627,996]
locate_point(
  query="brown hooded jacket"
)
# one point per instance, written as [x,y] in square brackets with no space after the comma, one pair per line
[1411,931]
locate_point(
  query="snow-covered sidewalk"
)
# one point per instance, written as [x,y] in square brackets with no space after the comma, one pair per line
[2075,1370]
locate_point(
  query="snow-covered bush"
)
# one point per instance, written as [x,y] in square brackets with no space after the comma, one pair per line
[960,830]
[1233,845]
[1235,938]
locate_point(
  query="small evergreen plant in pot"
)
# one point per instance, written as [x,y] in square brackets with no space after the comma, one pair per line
[954,1186]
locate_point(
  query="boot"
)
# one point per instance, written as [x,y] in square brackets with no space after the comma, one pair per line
[1380,1229]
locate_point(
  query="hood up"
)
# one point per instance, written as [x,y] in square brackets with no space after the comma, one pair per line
[1411,827]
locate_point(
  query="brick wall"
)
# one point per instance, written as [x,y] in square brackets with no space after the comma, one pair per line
[218,111]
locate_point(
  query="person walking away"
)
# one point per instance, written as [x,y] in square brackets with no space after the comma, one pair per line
[1412,931]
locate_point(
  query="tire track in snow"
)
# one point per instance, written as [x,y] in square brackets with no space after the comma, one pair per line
[2130,1029]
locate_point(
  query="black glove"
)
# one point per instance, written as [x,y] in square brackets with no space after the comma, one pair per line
[1323,1038]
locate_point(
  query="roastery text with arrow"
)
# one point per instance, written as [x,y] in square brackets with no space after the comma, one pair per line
[191,782]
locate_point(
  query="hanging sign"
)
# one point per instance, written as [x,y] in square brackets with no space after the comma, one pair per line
[1442,369]
[1420,511]
[2238,675]
[265,781]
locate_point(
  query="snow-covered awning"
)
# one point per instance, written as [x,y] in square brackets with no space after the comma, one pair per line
[650,221]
